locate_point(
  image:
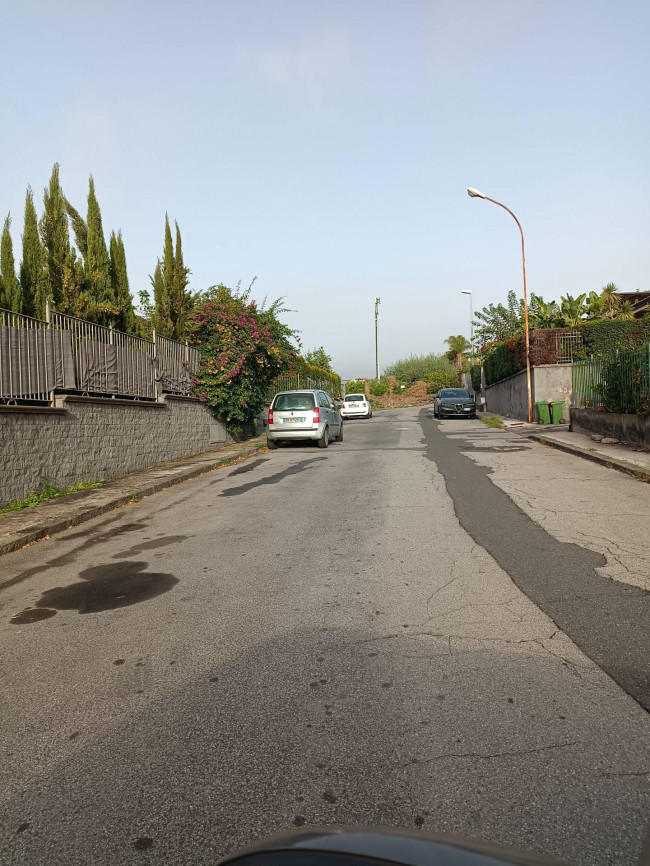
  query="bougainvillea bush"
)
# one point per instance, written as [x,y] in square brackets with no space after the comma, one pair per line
[243,349]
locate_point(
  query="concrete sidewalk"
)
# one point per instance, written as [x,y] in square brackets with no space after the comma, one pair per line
[622,457]
[18,528]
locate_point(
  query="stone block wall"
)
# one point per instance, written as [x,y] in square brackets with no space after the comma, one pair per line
[92,439]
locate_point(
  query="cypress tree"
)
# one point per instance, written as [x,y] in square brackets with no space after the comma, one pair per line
[160,319]
[33,280]
[9,285]
[181,300]
[55,237]
[120,285]
[97,268]
[162,282]
[80,229]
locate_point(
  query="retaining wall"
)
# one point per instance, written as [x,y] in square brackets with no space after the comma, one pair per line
[630,429]
[549,382]
[92,439]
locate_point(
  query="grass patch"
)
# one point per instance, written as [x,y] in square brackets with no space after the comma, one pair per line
[46,491]
[494,421]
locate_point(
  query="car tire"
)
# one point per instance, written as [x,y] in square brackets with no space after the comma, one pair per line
[324,440]
[271,444]
[339,438]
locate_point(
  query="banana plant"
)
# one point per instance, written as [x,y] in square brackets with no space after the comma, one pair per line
[572,310]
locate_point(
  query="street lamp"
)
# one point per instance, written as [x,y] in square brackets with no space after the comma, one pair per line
[377,302]
[474,193]
[471,320]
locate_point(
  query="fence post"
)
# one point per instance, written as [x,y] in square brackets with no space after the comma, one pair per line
[157,382]
[48,336]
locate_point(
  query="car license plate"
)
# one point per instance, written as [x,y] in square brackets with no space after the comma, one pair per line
[292,420]
[352,405]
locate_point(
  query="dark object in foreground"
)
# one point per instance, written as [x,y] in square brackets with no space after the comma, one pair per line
[341,846]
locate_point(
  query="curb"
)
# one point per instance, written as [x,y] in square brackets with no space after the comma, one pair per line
[629,468]
[46,529]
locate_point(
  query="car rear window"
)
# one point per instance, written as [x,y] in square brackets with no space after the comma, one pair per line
[293,402]
[351,398]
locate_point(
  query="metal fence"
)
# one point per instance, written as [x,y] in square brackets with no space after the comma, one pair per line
[568,344]
[66,354]
[618,383]
[177,365]
[108,362]
[25,359]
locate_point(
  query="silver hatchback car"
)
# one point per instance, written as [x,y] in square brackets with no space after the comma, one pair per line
[306,415]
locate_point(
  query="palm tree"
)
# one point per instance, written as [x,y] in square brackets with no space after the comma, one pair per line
[625,311]
[458,347]
[609,297]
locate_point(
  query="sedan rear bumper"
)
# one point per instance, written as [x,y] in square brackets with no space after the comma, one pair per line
[285,432]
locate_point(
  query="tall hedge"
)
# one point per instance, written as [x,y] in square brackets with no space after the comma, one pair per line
[504,359]
[602,337]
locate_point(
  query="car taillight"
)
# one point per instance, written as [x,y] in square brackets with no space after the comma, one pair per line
[317,415]
[363,405]
[344,406]
[270,416]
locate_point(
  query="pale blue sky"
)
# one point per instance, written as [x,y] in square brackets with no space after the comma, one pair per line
[326,148]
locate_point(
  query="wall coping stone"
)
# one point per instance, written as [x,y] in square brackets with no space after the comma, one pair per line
[34,410]
[109,401]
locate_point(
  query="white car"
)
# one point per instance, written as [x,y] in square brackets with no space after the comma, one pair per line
[356,406]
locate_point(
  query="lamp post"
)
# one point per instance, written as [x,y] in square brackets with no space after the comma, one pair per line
[377,301]
[471,321]
[474,193]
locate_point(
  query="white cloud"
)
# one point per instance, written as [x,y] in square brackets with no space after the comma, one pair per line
[322,58]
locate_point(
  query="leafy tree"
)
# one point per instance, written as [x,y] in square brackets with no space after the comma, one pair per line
[319,358]
[126,320]
[499,322]
[9,285]
[33,279]
[60,267]
[458,348]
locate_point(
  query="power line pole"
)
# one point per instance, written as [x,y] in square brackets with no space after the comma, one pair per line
[377,301]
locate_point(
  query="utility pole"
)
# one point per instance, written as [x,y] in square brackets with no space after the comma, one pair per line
[377,301]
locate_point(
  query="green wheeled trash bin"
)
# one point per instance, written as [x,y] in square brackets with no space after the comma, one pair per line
[556,411]
[543,412]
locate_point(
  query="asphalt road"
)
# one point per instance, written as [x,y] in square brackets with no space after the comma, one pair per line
[399,630]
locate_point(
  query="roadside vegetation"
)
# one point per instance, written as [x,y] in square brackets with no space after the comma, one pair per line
[46,491]
[494,421]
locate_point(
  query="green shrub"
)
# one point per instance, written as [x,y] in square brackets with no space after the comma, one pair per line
[419,367]
[354,386]
[378,388]
[436,381]
[626,382]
